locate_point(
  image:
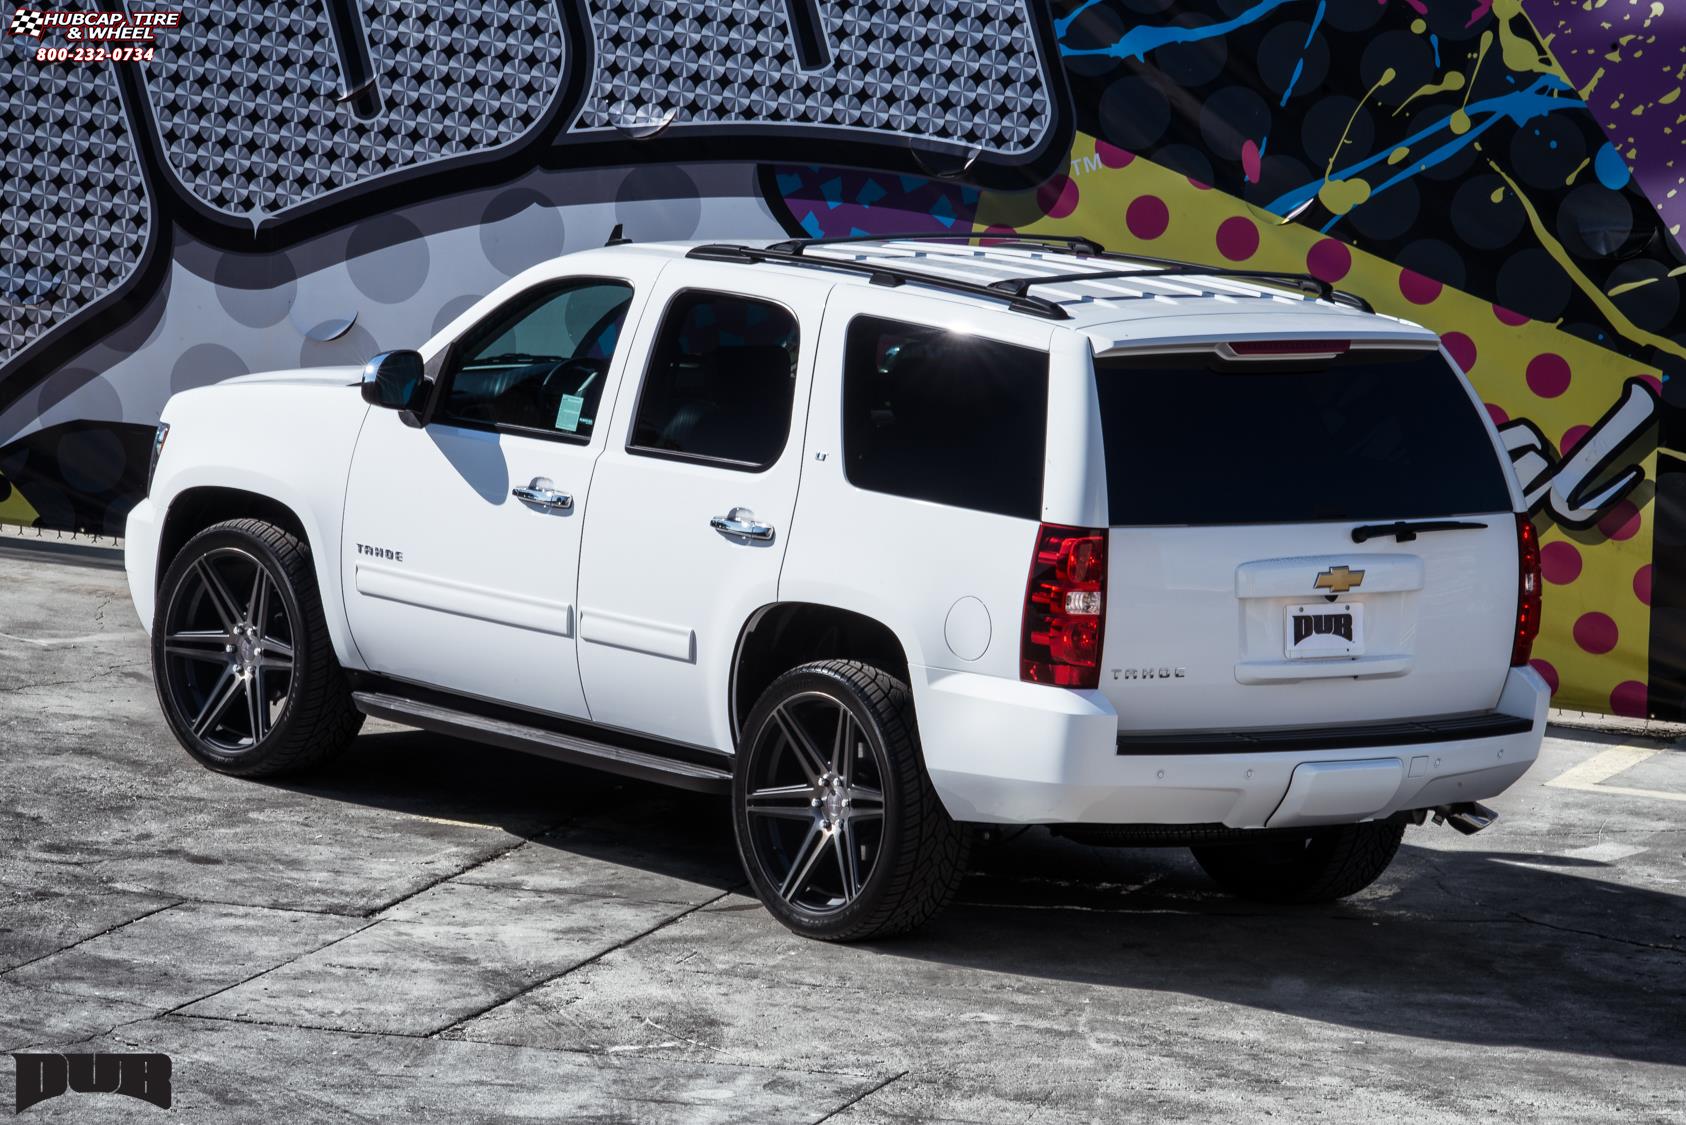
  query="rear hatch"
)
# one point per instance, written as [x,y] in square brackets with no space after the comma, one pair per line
[1238,594]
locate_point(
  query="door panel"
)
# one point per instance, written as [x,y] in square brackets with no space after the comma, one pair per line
[477,594]
[714,433]
[463,537]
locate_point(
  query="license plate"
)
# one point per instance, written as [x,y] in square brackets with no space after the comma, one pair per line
[1325,629]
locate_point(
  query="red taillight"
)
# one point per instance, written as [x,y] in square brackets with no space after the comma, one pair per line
[1527,590]
[1064,608]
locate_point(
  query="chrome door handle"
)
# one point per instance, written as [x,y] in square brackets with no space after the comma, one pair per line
[542,493]
[741,521]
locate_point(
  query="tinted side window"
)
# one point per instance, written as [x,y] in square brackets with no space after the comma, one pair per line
[720,382]
[541,364]
[1371,436]
[944,417]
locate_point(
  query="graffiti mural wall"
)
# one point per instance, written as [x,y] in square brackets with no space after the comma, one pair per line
[302,183]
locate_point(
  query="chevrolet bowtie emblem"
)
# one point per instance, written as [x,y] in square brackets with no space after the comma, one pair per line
[1338,580]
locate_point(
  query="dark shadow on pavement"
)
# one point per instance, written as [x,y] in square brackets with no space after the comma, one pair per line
[1489,948]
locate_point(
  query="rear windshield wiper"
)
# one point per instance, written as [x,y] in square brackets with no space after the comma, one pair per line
[1403,531]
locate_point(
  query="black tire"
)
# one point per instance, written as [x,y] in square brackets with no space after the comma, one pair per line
[1323,865]
[905,869]
[234,589]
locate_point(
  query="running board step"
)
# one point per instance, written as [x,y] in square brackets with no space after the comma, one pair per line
[574,749]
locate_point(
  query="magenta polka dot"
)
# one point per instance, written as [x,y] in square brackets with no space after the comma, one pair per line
[1507,317]
[1547,673]
[1595,632]
[996,231]
[1057,196]
[1329,260]
[1629,698]
[1497,414]
[1655,382]
[1548,374]
[1642,583]
[1621,521]
[1238,238]
[1197,185]
[1112,156]
[1419,290]
[1147,217]
[1571,438]
[1462,349]
[1560,563]
[1250,160]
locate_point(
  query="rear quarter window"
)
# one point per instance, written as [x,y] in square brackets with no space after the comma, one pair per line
[944,417]
[1367,436]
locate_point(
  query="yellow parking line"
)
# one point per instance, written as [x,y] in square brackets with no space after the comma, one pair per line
[1590,774]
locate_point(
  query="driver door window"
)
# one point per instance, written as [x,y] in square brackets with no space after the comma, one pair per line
[539,366]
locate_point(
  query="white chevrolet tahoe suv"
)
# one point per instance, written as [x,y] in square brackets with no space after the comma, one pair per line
[889,539]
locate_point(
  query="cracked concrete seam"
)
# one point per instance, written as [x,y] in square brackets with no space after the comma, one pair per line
[441,1033]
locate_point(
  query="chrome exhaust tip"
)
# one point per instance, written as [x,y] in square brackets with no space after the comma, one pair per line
[1469,817]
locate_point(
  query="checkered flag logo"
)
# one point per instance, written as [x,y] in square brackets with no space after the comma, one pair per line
[27,21]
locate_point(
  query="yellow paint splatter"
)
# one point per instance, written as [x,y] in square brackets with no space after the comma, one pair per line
[1452,82]
[1419,26]
[1614,315]
[1497,196]
[1520,53]
[1398,154]
[1341,196]
[1460,118]
[1578,169]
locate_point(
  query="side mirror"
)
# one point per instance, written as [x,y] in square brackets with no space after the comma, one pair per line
[393,380]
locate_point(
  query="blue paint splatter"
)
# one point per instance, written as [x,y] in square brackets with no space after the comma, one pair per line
[1138,41]
[1611,169]
[1434,41]
[1299,63]
[1519,106]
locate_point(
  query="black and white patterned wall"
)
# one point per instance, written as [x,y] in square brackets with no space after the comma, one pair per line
[308,182]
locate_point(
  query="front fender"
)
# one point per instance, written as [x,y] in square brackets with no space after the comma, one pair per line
[291,444]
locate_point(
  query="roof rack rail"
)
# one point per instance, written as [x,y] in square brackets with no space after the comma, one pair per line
[1074,241]
[879,274]
[1090,248]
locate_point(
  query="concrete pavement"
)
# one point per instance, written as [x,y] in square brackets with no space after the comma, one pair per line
[433,928]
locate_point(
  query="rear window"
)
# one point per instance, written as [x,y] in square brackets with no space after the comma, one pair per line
[944,417]
[1367,436]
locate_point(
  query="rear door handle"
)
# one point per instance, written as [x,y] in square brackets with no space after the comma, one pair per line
[742,522]
[543,494]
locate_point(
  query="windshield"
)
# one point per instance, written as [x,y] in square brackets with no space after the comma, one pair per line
[1367,436]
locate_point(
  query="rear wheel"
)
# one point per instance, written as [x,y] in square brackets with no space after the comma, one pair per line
[1322,865]
[839,829]
[241,658]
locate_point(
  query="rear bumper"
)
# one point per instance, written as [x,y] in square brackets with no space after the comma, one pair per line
[1004,752]
[140,558]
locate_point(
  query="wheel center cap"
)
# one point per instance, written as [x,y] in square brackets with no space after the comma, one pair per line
[832,804]
[245,649]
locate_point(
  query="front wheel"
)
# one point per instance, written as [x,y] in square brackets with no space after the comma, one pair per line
[246,675]
[1321,865]
[839,829]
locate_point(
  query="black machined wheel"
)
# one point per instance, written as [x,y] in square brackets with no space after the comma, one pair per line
[245,673]
[839,829]
[815,803]
[228,650]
